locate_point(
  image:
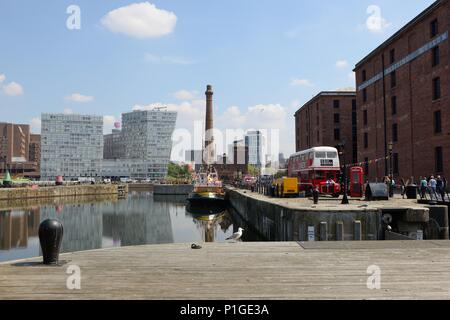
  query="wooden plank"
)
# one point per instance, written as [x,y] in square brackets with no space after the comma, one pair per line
[240,271]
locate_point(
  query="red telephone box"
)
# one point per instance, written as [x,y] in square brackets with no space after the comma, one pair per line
[356,182]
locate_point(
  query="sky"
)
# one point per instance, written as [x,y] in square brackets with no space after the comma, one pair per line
[264,58]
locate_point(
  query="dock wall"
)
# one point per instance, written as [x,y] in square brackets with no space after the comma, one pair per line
[62,191]
[279,223]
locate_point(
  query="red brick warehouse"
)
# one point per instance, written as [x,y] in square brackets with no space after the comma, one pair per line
[403,98]
[328,119]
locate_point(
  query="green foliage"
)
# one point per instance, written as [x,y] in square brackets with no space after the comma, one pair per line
[280,174]
[253,170]
[178,172]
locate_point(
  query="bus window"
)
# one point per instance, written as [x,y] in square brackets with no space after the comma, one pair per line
[331,155]
[311,155]
[321,155]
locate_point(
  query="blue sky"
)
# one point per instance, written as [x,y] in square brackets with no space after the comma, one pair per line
[259,55]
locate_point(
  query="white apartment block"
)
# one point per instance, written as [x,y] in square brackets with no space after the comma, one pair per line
[254,140]
[71,146]
[146,137]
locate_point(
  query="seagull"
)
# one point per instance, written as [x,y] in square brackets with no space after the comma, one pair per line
[237,235]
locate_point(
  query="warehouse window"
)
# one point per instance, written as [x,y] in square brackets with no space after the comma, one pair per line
[366,118]
[392,56]
[366,140]
[435,56]
[337,134]
[436,88]
[336,104]
[393,79]
[434,28]
[364,75]
[395,163]
[394,105]
[337,118]
[394,132]
[437,122]
[365,95]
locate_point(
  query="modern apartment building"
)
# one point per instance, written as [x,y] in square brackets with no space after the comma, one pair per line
[16,143]
[144,145]
[254,141]
[112,145]
[403,98]
[71,146]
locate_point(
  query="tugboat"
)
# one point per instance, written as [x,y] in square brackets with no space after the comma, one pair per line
[208,188]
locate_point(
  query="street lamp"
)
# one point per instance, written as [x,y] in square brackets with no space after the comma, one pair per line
[342,154]
[391,168]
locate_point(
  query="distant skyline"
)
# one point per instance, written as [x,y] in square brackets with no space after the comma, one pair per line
[263,58]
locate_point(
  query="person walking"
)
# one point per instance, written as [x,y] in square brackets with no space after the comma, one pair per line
[433,184]
[440,187]
[403,186]
[423,187]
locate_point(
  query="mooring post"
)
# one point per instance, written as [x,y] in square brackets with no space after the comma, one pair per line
[357,231]
[339,231]
[323,231]
[50,238]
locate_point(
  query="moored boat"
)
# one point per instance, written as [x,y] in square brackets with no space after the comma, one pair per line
[207,188]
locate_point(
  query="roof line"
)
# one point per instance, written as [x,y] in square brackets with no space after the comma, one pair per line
[399,32]
[330,93]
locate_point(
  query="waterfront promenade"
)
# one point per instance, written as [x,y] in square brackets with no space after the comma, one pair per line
[283,270]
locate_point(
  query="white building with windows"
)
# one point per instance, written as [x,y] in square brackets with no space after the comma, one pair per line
[71,146]
[146,139]
[254,142]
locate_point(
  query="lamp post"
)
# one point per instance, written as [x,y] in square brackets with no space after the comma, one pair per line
[391,168]
[342,154]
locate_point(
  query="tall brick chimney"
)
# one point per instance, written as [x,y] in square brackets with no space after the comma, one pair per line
[209,155]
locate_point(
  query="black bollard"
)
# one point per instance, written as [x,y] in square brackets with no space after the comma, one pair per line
[316,196]
[50,237]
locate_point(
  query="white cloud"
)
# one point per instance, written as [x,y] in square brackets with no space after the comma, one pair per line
[2,77]
[68,111]
[151,58]
[35,124]
[301,83]
[185,95]
[13,89]
[77,97]
[140,20]
[376,23]
[342,64]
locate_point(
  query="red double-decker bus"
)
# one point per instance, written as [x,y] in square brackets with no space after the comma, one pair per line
[317,167]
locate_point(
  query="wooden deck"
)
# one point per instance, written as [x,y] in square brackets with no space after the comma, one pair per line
[325,270]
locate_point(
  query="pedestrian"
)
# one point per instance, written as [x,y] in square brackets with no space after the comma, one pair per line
[423,187]
[403,186]
[440,186]
[391,187]
[433,184]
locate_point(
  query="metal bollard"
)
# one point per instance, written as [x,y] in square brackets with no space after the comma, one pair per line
[316,196]
[50,237]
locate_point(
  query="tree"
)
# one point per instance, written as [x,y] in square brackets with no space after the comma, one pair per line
[253,170]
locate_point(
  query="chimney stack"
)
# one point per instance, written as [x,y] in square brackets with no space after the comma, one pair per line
[209,138]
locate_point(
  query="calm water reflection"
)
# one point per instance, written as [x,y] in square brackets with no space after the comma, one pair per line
[140,219]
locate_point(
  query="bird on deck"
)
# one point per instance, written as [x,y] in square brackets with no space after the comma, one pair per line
[237,235]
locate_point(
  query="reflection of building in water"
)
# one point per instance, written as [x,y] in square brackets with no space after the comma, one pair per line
[13,229]
[34,219]
[137,221]
[82,225]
